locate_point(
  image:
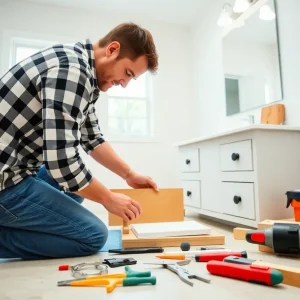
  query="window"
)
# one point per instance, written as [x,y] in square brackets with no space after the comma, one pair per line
[23,48]
[232,95]
[23,52]
[129,109]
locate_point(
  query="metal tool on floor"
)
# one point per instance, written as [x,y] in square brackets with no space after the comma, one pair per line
[77,270]
[204,257]
[110,281]
[184,275]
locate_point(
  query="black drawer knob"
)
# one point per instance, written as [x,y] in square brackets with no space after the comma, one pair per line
[187,161]
[237,199]
[235,156]
[188,193]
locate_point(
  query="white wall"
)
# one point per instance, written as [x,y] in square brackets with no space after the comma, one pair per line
[171,86]
[210,107]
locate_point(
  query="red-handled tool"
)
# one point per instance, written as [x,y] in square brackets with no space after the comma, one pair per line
[250,273]
[205,257]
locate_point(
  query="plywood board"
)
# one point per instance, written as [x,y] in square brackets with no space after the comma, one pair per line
[167,229]
[291,276]
[268,223]
[163,206]
[131,241]
[240,233]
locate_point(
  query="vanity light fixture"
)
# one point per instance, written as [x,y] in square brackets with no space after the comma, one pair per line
[266,13]
[241,6]
[225,18]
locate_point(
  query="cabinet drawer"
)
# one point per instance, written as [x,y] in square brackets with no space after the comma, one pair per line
[191,193]
[189,160]
[236,156]
[238,199]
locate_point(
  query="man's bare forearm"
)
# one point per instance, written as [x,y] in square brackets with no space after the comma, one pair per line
[116,203]
[96,192]
[106,156]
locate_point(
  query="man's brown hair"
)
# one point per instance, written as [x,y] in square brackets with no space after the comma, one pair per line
[135,42]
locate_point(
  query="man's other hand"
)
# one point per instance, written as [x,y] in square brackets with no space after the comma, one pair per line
[138,181]
[123,206]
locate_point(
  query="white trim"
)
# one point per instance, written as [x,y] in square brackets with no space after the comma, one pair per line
[128,98]
[232,76]
[150,109]
[129,139]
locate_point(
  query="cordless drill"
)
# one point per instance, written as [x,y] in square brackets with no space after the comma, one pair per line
[283,238]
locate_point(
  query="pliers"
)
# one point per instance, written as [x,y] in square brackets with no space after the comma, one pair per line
[184,275]
[110,281]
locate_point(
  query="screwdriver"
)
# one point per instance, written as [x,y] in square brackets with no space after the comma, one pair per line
[205,257]
[194,252]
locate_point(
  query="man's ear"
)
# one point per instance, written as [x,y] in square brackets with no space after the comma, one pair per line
[113,49]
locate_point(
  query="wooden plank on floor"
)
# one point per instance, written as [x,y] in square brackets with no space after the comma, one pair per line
[240,233]
[130,240]
[291,276]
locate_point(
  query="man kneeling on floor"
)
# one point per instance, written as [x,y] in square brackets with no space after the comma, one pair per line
[47,111]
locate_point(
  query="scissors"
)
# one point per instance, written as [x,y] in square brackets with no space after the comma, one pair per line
[184,275]
[129,278]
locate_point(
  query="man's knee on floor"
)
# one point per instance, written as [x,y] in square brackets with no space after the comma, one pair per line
[97,238]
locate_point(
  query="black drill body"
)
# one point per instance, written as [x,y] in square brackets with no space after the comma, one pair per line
[283,238]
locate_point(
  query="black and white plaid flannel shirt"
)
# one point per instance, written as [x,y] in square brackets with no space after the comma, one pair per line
[46,112]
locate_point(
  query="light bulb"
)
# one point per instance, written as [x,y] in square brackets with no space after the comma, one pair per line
[266,13]
[224,19]
[240,6]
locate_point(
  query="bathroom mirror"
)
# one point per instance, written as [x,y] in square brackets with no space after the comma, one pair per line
[251,61]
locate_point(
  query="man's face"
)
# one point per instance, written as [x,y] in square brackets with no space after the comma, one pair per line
[111,71]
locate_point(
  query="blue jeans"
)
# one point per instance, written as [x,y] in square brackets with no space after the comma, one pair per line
[38,221]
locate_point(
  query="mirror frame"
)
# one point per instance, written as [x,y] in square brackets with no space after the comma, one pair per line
[243,17]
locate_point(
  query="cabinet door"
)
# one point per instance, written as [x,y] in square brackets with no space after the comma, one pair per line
[238,199]
[192,193]
[189,160]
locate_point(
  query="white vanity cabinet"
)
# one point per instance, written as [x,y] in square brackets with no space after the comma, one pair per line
[241,176]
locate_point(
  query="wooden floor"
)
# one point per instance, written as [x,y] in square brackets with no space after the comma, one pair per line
[37,280]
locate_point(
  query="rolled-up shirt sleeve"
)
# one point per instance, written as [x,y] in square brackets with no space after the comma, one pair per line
[65,96]
[91,135]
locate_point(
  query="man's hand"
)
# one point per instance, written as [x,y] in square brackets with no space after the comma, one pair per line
[123,206]
[138,181]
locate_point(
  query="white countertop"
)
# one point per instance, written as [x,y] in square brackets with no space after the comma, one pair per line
[237,130]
